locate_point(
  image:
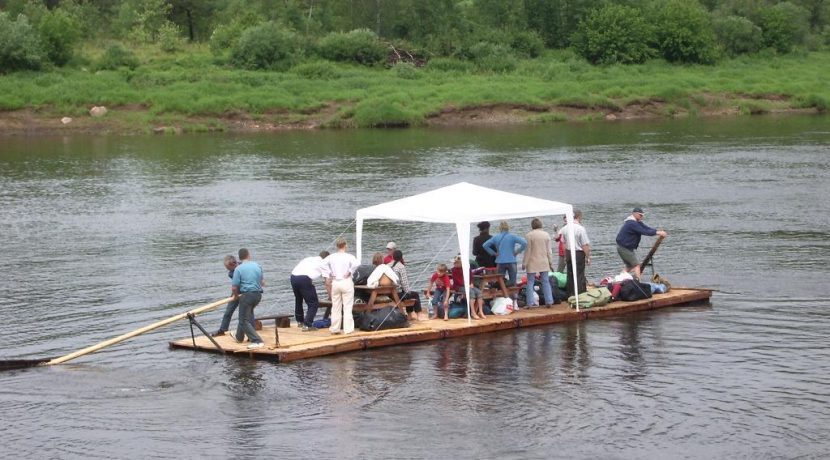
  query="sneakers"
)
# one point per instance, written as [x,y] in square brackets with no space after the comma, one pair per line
[256,345]
[309,328]
[218,334]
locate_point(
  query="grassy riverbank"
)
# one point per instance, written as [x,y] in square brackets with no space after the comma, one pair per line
[187,91]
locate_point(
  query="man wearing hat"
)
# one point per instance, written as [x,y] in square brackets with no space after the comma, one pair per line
[628,239]
[390,251]
[483,258]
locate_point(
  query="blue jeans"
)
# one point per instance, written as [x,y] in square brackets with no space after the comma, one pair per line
[547,293]
[510,269]
[247,302]
[226,318]
[438,297]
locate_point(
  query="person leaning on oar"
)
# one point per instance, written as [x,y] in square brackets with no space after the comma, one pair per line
[628,240]
[230,265]
[247,287]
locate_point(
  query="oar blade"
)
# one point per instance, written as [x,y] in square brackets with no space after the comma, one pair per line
[12,364]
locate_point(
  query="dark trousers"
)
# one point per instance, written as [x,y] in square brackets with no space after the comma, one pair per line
[304,290]
[414,296]
[247,302]
[581,281]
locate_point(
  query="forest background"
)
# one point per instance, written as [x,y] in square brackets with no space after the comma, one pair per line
[189,65]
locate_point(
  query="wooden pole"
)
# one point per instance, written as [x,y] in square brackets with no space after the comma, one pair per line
[121,338]
[650,254]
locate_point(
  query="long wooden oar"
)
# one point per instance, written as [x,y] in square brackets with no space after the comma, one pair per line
[650,255]
[18,364]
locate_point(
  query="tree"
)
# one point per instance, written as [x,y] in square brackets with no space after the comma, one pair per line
[614,34]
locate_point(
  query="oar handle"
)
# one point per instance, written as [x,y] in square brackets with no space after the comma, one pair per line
[121,338]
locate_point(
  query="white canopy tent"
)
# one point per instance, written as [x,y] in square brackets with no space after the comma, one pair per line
[471,204]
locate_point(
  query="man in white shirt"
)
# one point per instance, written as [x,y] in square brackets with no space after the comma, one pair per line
[337,270]
[583,254]
[302,283]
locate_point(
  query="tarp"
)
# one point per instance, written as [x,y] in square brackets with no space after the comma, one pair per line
[470,204]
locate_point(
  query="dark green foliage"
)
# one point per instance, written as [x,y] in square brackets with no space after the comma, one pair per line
[20,47]
[737,35]
[614,34]
[267,46]
[59,33]
[682,31]
[783,26]
[527,43]
[116,56]
[361,46]
[492,57]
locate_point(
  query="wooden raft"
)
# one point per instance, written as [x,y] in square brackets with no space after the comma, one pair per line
[295,344]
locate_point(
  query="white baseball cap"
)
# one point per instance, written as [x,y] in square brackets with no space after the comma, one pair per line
[391,245]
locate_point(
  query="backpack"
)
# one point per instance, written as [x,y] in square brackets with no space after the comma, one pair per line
[595,297]
[633,290]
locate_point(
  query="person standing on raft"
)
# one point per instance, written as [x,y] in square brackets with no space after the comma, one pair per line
[628,240]
[247,287]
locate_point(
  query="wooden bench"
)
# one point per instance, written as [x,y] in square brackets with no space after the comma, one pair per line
[502,290]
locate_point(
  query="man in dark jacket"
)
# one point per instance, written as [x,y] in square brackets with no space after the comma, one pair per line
[628,240]
[483,258]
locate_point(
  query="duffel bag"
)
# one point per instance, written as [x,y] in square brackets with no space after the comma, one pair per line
[633,290]
[595,297]
[380,319]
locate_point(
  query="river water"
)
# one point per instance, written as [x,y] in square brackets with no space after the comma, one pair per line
[104,234]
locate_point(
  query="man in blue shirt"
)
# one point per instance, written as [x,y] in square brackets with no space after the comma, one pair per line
[628,239]
[247,287]
[503,246]
[230,265]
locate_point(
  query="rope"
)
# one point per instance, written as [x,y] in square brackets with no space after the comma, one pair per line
[420,275]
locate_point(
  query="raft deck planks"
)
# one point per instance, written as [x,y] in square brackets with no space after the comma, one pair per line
[295,344]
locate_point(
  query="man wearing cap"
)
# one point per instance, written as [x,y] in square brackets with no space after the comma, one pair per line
[628,239]
[390,251]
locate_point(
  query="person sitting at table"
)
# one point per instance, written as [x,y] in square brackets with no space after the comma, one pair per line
[440,279]
[390,250]
[382,275]
[399,267]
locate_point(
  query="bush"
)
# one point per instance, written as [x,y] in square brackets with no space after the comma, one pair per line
[115,56]
[406,70]
[170,38]
[492,57]
[58,35]
[527,43]
[20,47]
[683,31]
[614,34]
[737,35]
[265,46]
[320,70]
[225,36]
[361,46]
[449,65]
[783,26]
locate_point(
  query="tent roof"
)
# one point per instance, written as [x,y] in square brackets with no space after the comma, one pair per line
[463,202]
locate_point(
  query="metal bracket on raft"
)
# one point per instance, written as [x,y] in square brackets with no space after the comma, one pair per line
[192,318]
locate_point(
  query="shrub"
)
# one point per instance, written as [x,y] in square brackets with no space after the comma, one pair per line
[225,36]
[20,47]
[492,57]
[360,45]
[614,34]
[58,35]
[737,35]
[449,65]
[406,70]
[683,31]
[319,70]
[783,26]
[265,46]
[527,43]
[170,37]
[115,56]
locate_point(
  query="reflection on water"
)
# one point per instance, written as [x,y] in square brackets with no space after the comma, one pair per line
[105,234]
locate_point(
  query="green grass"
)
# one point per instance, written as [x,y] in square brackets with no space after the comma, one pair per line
[191,85]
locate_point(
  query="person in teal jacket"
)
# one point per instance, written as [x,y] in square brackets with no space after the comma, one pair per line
[506,246]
